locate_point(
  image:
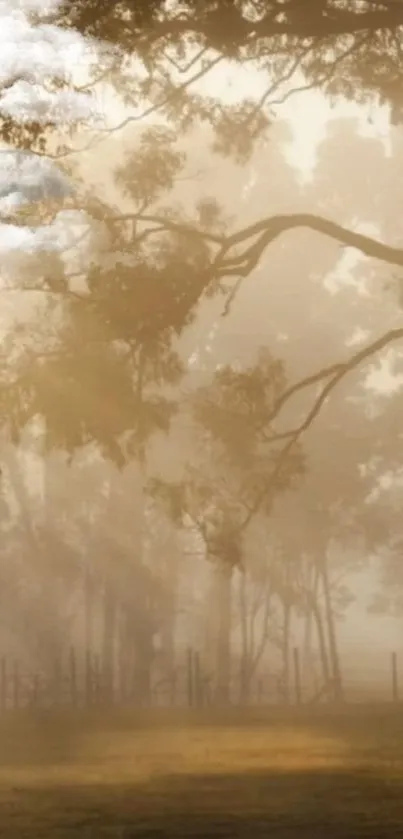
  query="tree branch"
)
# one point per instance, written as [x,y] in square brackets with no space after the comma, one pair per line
[268,230]
[299,24]
[337,372]
[265,232]
[262,234]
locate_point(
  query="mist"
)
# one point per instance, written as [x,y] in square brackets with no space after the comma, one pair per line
[201,392]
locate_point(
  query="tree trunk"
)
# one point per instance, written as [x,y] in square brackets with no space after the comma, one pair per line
[307,644]
[223,640]
[168,650]
[320,631]
[109,631]
[41,627]
[89,611]
[244,673]
[168,625]
[142,687]
[252,648]
[331,631]
[125,656]
[286,652]
[314,612]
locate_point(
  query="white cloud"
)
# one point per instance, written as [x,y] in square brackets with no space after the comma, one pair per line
[26,102]
[31,177]
[358,337]
[32,55]
[381,377]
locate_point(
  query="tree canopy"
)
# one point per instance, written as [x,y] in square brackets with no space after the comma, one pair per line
[351,48]
[120,287]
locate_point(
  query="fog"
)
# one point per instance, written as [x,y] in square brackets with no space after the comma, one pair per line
[300,303]
[155,508]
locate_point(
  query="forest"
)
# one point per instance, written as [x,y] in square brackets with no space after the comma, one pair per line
[201,360]
[201,371]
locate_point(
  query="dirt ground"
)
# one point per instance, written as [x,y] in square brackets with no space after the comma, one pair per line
[253,774]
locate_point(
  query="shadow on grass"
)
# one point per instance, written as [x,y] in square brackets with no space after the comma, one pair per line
[326,804]
[228,801]
[29,738]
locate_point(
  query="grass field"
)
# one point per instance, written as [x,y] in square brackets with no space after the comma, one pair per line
[249,775]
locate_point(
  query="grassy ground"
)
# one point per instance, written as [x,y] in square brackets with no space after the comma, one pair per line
[250,775]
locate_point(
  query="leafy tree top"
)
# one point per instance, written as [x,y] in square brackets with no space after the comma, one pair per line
[350,48]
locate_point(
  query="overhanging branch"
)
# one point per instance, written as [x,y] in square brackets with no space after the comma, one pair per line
[306,23]
[336,372]
[266,231]
[262,234]
[236,255]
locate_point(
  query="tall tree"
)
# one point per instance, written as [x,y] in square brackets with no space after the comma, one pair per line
[236,471]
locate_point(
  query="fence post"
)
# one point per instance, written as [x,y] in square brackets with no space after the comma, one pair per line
[189,672]
[3,685]
[297,676]
[395,681]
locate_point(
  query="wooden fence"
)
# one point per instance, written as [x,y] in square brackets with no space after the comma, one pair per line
[82,684]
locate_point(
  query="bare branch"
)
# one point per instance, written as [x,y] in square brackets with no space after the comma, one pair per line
[337,373]
[164,223]
[323,77]
[268,230]
[265,232]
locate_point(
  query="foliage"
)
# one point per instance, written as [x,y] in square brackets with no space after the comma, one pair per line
[351,49]
[238,472]
[100,363]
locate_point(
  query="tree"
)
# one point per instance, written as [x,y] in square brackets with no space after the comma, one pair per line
[117,331]
[331,497]
[236,255]
[124,314]
[219,491]
[152,264]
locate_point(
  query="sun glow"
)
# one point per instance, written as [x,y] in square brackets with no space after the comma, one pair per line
[307,112]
